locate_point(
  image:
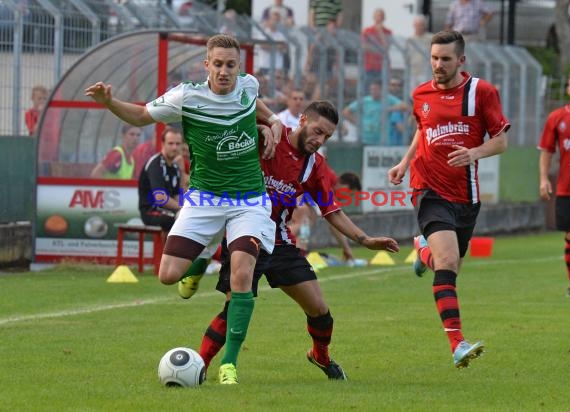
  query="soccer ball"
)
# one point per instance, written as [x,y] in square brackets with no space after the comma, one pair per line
[181,367]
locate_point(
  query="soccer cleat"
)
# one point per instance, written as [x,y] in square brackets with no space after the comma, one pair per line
[188,286]
[333,370]
[228,374]
[465,352]
[419,243]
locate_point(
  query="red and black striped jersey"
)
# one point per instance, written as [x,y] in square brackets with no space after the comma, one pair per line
[557,133]
[459,116]
[290,174]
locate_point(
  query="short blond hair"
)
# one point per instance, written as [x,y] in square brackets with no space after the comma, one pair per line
[224,41]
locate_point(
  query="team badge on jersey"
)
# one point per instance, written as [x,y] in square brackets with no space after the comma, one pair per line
[425,110]
[244,100]
[562,126]
[566,145]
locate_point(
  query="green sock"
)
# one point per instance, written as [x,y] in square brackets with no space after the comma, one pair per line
[239,314]
[198,267]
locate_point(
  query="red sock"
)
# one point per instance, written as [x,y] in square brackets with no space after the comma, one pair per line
[567,256]
[448,305]
[426,257]
[320,329]
[215,337]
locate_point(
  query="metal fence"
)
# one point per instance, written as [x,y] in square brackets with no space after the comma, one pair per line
[41,39]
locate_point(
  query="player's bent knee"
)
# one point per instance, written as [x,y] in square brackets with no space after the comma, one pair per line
[319,309]
[172,268]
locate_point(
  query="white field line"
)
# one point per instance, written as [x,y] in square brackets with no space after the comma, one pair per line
[387,270]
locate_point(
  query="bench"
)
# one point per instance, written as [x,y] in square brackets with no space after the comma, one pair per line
[142,230]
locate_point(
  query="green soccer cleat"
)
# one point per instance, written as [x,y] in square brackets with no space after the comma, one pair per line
[333,370]
[465,352]
[188,286]
[419,243]
[228,374]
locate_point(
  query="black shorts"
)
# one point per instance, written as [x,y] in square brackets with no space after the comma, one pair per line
[285,267]
[436,214]
[159,217]
[563,213]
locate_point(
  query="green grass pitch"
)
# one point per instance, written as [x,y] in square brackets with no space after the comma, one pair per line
[69,341]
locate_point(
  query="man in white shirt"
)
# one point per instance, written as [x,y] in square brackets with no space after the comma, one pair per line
[295,105]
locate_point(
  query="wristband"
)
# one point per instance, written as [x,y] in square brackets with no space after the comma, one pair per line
[273,118]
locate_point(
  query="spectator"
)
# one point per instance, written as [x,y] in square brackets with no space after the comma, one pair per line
[417,47]
[286,13]
[321,12]
[395,87]
[397,118]
[142,153]
[468,17]
[161,172]
[264,51]
[119,162]
[322,52]
[229,24]
[39,98]
[371,125]
[396,128]
[276,100]
[295,105]
[375,42]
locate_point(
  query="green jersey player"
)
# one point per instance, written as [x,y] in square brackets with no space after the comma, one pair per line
[219,124]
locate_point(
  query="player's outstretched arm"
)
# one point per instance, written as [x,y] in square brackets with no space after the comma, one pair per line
[347,227]
[343,243]
[128,112]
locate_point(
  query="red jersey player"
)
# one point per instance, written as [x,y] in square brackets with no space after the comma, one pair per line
[454,111]
[556,133]
[297,169]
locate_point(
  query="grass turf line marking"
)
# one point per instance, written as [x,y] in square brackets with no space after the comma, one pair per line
[391,270]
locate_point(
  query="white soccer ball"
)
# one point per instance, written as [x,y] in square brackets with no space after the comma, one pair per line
[181,367]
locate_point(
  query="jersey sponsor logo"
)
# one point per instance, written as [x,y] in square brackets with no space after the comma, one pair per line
[279,185]
[447,97]
[446,130]
[200,106]
[425,110]
[231,147]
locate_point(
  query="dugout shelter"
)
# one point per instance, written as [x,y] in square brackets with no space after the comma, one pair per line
[76,214]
